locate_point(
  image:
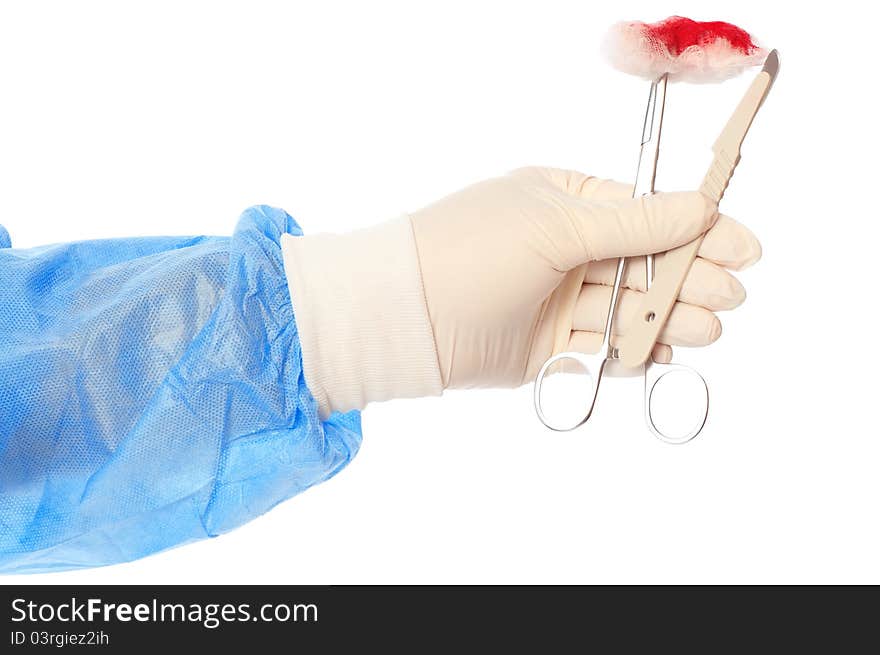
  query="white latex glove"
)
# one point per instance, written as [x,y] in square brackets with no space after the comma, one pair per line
[468,292]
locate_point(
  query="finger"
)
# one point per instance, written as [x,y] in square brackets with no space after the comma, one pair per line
[589,230]
[584,228]
[707,284]
[575,183]
[730,244]
[687,325]
[589,343]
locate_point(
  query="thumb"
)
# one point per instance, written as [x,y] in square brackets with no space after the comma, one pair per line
[636,226]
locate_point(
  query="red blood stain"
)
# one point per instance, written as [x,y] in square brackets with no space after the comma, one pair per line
[678,33]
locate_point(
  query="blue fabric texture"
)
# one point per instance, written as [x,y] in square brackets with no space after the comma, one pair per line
[151,394]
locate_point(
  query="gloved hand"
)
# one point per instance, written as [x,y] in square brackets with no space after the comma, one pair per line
[469,291]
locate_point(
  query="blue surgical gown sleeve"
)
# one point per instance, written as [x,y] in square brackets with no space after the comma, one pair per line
[152,394]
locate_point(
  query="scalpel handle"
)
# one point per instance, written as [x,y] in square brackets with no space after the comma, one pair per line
[638,341]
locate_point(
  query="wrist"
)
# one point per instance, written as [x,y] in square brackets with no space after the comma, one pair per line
[361,315]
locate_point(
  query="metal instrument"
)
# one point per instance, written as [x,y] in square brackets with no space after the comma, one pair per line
[655,307]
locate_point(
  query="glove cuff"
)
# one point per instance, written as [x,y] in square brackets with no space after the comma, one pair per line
[361,314]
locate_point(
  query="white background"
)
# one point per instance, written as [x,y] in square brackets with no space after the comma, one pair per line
[171,118]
